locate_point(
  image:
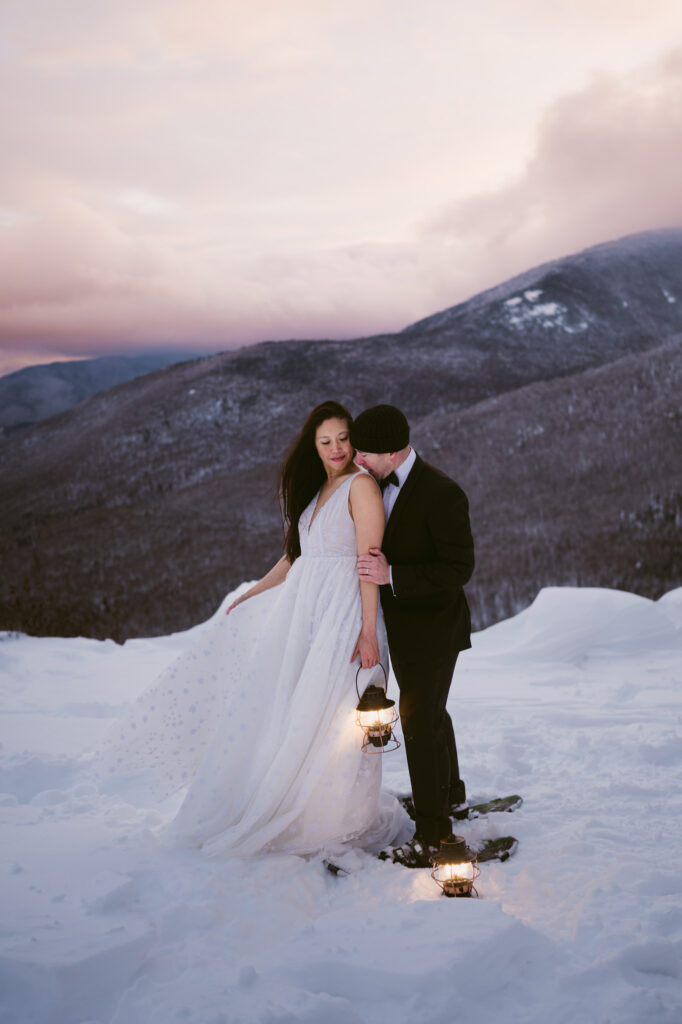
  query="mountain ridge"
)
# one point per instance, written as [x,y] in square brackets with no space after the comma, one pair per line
[35,393]
[628,246]
[606,301]
[158,562]
[188,455]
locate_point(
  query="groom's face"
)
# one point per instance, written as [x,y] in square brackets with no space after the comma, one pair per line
[378,465]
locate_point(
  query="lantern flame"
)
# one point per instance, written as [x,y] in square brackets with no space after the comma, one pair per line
[454,872]
[376,719]
[454,875]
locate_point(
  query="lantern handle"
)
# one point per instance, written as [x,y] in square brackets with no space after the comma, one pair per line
[357,690]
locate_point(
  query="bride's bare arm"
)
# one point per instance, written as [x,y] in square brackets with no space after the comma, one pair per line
[367,510]
[277,575]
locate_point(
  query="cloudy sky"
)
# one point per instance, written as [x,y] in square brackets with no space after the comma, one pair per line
[210,173]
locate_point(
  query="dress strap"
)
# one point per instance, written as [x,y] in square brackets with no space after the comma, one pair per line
[319,508]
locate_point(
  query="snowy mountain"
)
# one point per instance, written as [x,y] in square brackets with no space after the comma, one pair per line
[576,481]
[572,313]
[38,392]
[631,288]
[136,510]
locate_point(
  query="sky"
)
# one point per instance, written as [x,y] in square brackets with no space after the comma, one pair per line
[212,173]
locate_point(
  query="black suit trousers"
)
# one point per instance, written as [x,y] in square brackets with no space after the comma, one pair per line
[429,740]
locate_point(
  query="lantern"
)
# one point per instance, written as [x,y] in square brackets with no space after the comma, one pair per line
[455,867]
[376,716]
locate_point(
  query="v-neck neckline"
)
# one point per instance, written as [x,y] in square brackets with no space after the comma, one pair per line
[318,508]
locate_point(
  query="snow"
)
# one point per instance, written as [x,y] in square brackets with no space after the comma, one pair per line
[546,314]
[574,703]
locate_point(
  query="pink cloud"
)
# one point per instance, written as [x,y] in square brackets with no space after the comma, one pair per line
[606,164]
[146,201]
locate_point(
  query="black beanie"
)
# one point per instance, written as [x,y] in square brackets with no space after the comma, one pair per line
[381,429]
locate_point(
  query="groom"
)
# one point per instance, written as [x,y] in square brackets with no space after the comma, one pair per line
[427,557]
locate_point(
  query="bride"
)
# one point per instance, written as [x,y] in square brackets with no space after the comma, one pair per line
[257,720]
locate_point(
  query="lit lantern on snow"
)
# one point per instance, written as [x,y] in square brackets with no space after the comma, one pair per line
[455,867]
[376,716]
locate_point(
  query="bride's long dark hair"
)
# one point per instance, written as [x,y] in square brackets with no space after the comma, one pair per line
[303,474]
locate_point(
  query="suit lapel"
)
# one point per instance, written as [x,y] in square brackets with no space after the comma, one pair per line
[406,493]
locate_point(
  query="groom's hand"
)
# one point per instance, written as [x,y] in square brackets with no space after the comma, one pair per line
[373,568]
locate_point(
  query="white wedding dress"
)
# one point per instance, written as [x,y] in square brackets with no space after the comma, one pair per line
[257,720]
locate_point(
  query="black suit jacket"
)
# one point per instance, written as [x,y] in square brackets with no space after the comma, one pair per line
[429,546]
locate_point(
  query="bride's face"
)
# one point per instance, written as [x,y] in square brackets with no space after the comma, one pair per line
[332,441]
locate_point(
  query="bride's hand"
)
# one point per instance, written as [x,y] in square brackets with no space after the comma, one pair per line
[367,647]
[234,604]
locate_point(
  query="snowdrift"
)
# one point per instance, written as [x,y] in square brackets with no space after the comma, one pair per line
[574,703]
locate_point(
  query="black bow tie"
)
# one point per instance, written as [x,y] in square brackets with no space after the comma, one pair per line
[390,479]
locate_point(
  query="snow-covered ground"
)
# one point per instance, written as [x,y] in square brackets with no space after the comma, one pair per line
[575,704]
